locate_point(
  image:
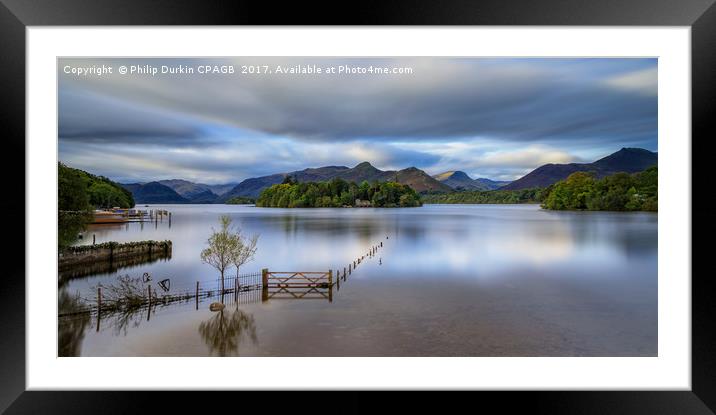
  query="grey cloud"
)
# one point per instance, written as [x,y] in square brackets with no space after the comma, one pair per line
[90,117]
[445,98]
[230,128]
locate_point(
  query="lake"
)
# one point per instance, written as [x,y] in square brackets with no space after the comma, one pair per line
[450,280]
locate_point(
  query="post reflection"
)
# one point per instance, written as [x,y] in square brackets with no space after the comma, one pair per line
[71,325]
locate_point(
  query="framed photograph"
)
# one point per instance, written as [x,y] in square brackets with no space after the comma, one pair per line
[468,203]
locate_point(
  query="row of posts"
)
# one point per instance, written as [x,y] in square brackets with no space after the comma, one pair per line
[158,215]
[353,265]
[264,281]
[149,299]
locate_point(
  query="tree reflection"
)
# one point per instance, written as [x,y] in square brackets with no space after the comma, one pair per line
[69,226]
[121,320]
[71,328]
[224,332]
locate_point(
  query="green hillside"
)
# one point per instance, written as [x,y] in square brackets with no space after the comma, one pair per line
[78,193]
[79,190]
[579,191]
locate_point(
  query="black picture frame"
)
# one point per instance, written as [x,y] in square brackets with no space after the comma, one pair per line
[16,15]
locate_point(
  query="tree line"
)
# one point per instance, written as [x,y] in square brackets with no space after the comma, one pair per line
[79,190]
[618,192]
[338,193]
[241,200]
[579,191]
[78,193]
[535,195]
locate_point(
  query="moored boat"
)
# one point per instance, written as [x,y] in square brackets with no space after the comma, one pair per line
[104,216]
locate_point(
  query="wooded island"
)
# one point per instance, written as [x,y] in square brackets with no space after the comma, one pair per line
[338,193]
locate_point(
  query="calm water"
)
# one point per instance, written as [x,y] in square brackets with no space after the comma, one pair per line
[451,280]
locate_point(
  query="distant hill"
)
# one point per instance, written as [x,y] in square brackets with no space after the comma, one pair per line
[417,179]
[189,189]
[205,197]
[413,177]
[185,188]
[459,180]
[628,160]
[220,189]
[154,192]
[252,187]
[362,171]
[493,184]
[177,191]
[131,187]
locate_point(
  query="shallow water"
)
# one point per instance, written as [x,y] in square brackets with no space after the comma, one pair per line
[451,280]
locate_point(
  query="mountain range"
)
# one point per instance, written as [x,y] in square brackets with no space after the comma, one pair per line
[189,189]
[413,177]
[459,180]
[628,160]
[153,192]
[176,191]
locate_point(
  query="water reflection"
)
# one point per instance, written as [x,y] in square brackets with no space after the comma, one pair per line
[292,224]
[72,324]
[120,321]
[70,226]
[109,267]
[452,280]
[224,332]
[299,293]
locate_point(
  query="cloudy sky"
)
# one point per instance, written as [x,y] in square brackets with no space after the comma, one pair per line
[495,118]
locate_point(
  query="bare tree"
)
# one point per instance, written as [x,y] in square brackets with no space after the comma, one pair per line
[222,247]
[245,250]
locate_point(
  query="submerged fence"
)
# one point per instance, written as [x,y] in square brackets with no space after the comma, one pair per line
[136,293]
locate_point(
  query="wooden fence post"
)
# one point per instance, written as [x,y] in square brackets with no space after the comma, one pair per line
[330,277]
[149,295]
[264,284]
[197,295]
